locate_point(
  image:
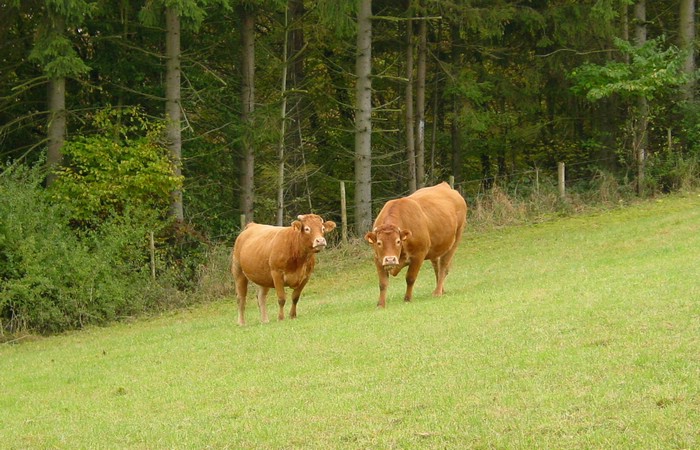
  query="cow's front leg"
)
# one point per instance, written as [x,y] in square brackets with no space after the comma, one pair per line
[295,299]
[411,275]
[383,285]
[278,280]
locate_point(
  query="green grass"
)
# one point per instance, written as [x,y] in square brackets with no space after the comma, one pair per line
[576,333]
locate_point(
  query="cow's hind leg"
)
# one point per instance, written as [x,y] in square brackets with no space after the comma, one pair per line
[241,292]
[442,269]
[445,262]
[262,303]
[436,268]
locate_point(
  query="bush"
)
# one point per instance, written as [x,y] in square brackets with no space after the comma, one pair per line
[668,172]
[125,164]
[52,280]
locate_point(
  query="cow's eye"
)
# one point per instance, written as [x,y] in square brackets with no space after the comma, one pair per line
[323,229]
[379,243]
[307,230]
[398,242]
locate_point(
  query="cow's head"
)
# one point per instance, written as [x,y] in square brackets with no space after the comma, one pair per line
[312,228]
[387,241]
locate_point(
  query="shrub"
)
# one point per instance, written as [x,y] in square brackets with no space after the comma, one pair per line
[52,280]
[668,172]
[78,253]
[124,164]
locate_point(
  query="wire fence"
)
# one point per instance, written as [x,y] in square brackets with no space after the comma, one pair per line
[534,178]
[516,184]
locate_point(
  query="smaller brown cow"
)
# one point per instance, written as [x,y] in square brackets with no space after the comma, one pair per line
[427,224]
[271,256]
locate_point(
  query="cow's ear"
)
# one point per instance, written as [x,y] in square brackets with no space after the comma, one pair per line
[371,237]
[296,225]
[329,225]
[405,234]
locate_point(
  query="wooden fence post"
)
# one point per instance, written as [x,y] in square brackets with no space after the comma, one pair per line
[153,257]
[452,181]
[343,214]
[561,172]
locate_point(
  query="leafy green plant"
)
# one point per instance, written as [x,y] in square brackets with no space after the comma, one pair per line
[54,279]
[125,163]
[670,171]
[652,71]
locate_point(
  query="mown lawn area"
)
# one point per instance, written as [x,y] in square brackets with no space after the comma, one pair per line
[580,332]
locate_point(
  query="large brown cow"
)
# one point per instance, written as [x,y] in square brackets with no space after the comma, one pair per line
[276,257]
[427,224]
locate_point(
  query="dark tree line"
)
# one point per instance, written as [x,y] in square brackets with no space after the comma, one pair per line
[265,105]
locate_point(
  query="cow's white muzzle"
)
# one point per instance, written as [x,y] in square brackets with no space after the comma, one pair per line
[390,261]
[319,244]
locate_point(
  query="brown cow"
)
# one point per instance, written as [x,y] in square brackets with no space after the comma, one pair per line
[276,257]
[427,224]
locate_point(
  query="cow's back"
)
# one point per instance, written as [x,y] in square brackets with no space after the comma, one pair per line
[435,216]
[444,209]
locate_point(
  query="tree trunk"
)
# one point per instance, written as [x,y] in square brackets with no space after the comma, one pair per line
[172,104]
[57,114]
[363,119]
[642,114]
[410,136]
[247,108]
[420,100]
[686,34]
[56,126]
[294,139]
[437,116]
[625,29]
[455,129]
[283,119]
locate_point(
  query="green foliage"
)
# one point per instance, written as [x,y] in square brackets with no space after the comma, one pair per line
[669,171]
[192,12]
[53,50]
[123,164]
[495,71]
[79,252]
[690,111]
[56,55]
[473,97]
[651,72]
[338,15]
[51,280]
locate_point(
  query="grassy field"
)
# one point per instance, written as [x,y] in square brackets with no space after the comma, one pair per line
[577,333]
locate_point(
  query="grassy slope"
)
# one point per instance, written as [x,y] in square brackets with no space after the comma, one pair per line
[579,333]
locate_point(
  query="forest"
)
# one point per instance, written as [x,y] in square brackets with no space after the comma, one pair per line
[136,137]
